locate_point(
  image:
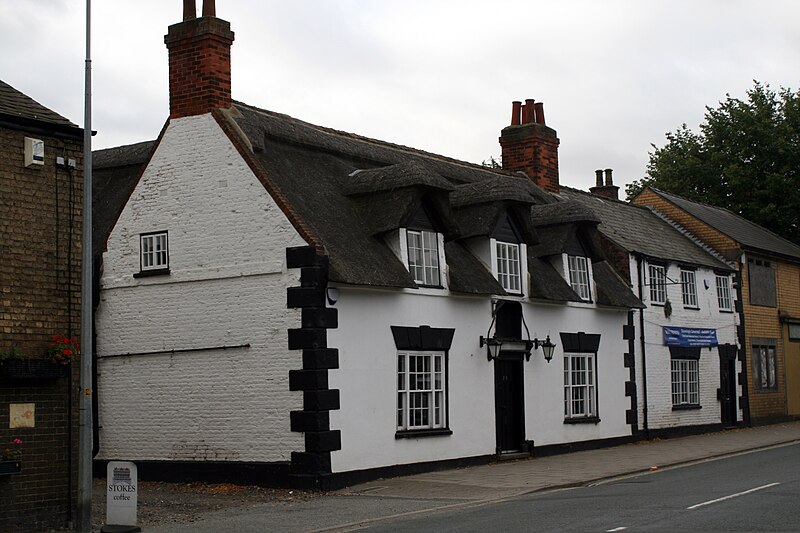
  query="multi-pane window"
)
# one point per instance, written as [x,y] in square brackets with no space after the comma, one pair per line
[579,276]
[579,385]
[765,366]
[658,283]
[421,390]
[153,251]
[689,288]
[508,266]
[685,382]
[423,256]
[724,293]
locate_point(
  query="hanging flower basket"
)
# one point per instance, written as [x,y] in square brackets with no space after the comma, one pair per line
[32,369]
[11,466]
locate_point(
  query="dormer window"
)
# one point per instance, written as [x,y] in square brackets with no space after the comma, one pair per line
[423,248]
[578,268]
[508,253]
[508,267]
[579,276]
[423,256]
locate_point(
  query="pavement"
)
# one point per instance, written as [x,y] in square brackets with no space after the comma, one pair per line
[383,499]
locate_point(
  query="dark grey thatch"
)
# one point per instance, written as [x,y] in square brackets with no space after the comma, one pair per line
[16,107]
[562,213]
[114,175]
[547,283]
[638,230]
[611,289]
[411,173]
[310,171]
[499,189]
[468,274]
[748,234]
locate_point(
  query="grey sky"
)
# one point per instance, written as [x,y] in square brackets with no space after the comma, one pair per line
[615,75]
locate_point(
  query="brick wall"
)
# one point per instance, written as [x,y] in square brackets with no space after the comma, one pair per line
[529,146]
[760,322]
[40,232]
[199,66]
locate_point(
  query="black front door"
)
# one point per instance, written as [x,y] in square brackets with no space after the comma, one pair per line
[509,407]
[727,384]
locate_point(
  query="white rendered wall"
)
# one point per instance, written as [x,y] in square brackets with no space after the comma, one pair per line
[368,368]
[659,377]
[227,287]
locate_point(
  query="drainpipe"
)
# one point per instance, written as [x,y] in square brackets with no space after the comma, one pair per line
[640,276]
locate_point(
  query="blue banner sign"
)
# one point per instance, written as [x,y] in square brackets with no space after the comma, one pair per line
[690,336]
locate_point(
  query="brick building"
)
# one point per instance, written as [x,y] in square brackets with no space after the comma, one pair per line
[769,292]
[40,242]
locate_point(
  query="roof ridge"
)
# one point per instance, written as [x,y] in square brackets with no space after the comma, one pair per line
[385,144]
[725,209]
[691,237]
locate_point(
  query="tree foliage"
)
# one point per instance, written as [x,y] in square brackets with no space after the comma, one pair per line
[746,158]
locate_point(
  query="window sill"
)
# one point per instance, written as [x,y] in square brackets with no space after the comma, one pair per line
[766,391]
[583,420]
[154,272]
[727,311]
[691,308]
[416,433]
[687,407]
[658,304]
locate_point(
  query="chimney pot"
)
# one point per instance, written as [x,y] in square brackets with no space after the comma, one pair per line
[539,113]
[609,180]
[527,111]
[598,175]
[209,8]
[516,112]
[189,9]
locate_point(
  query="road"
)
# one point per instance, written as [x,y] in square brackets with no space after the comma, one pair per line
[757,491]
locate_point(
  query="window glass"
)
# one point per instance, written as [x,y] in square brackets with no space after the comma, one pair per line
[423,256]
[762,282]
[153,251]
[724,293]
[579,276]
[689,288]
[421,385]
[794,332]
[579,385]
[765,367]
[508,266]
[685,382]
[658,284]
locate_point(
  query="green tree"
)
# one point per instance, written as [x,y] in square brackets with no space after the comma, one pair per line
[746,158]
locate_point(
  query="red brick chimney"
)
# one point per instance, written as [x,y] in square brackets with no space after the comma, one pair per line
[199,62]
[529,146]
[609,190]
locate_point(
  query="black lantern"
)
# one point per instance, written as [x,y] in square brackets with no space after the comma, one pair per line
[493,345]
[547,348]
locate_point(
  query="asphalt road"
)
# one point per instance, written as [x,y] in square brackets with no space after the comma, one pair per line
[758,491]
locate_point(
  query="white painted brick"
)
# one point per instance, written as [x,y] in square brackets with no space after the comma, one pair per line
[227,287]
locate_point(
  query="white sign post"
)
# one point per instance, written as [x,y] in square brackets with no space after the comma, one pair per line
[121,497]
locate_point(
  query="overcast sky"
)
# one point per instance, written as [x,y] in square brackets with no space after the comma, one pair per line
[438,75]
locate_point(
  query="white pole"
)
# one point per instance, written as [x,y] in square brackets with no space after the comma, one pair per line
[85,398]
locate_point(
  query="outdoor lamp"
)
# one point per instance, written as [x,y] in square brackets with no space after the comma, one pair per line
[547,348]
[493,345]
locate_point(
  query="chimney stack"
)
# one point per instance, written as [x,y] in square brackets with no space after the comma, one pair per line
[199,62]
[607,190]
[528,145]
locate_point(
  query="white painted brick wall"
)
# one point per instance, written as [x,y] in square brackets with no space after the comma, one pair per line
[227,286]
[659,381]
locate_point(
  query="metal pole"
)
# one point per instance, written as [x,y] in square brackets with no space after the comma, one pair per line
[85,398]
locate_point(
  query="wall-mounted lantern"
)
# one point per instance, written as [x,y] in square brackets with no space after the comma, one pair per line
[495,345]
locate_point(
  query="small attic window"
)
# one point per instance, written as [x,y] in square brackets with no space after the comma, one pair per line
[507,251]
[422,242]
[153,254]
[579,269]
